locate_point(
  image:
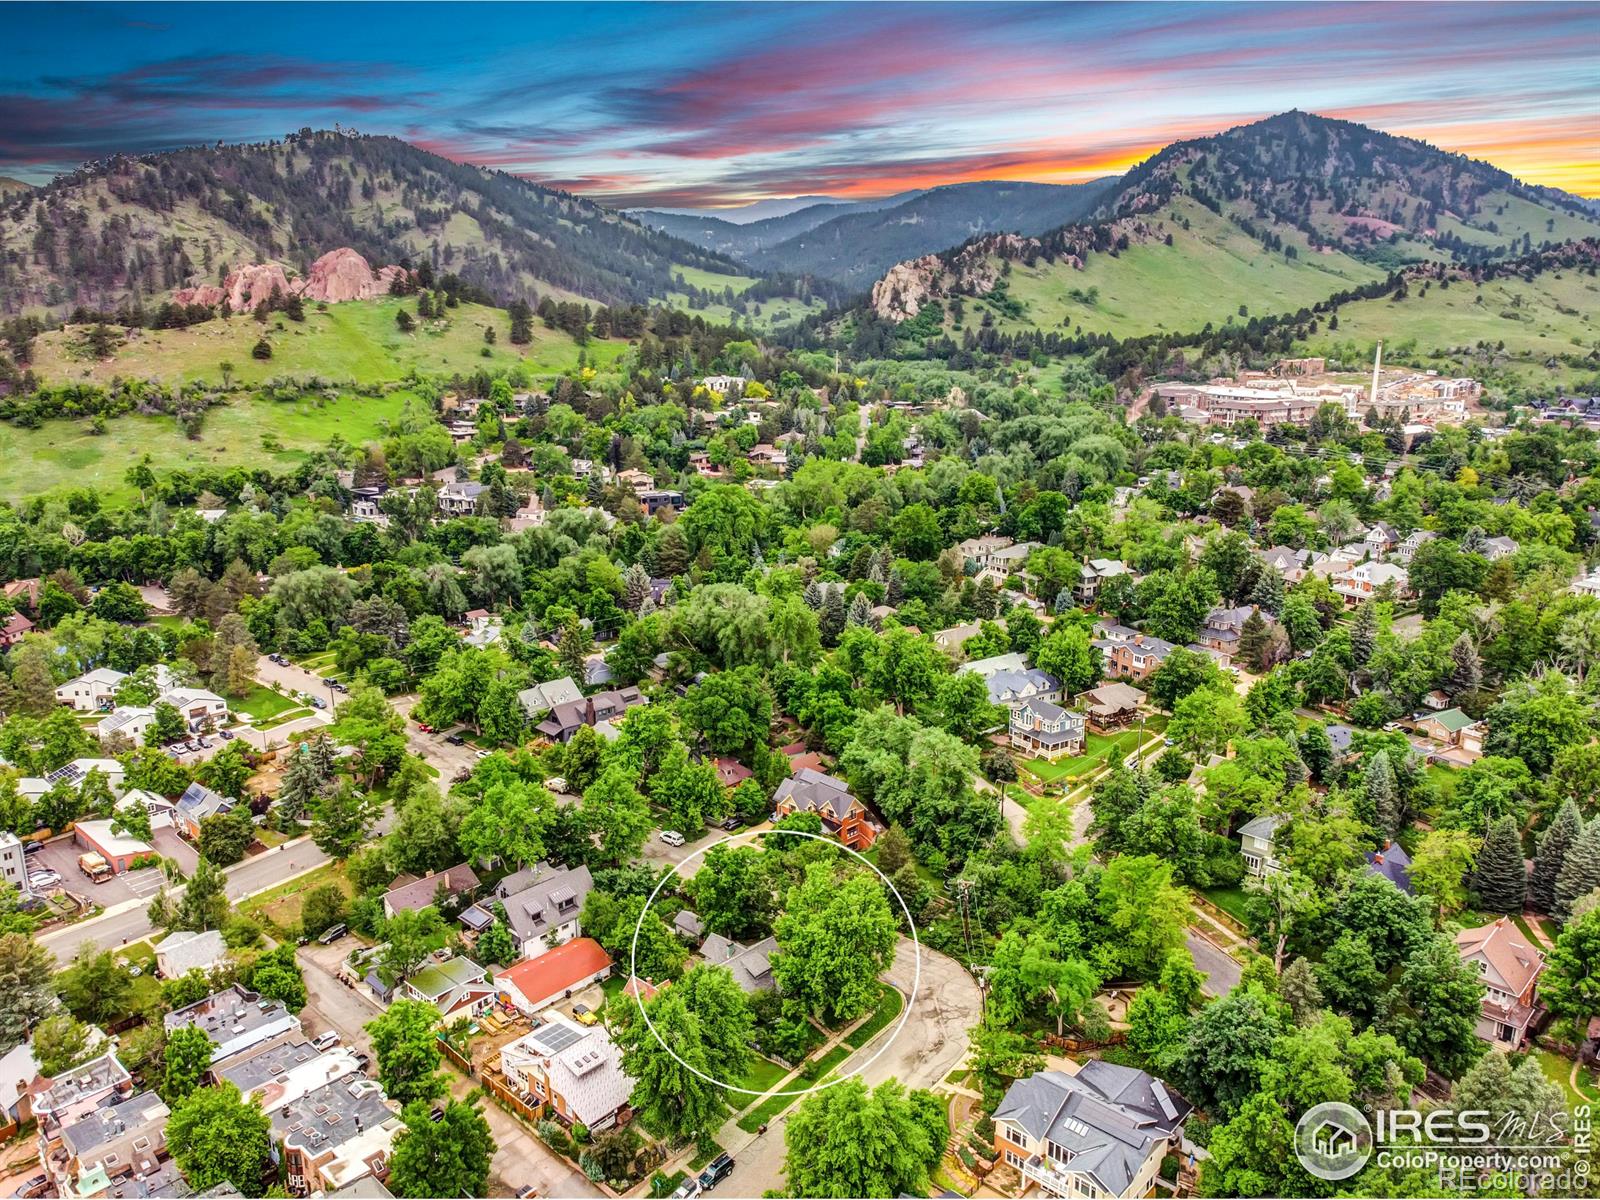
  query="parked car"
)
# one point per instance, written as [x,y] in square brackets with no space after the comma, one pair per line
[318,702]
[332,934]
[583,1015]
[47,879]
[455,739]
[730,824]
[33,847]
[716,1171]
[424,728]
[325,1041]
[690,1187]
[483,753]
[527,1191]
[225,735]
[672,837]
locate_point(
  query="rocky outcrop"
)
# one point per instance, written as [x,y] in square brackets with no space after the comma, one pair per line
[343,274]
[337,276]
[969,271]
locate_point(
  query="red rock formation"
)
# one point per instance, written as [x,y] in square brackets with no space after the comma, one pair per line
[337,276]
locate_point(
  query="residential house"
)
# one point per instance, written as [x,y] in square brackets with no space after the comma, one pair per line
[566,719]
[111,1141]
[843,816]
[1407,550]
[654,501]
[1137,659]
[131,721]
[751,966]
[536,983]
[1223,627]
[91,691]
[1013,558]
[1381,539]
[1111,706]
[1362,581]
[1046,730]
[1436,701]
[574,1072]
[335,1135]
[636,480]
[980,551]
[14,863]
[13,629]
[543,906]
[1099,1132]
[120,850]
[198,707]
[764,455]
[74,1093]
[19,1076]
[1496,548]
[196,804]
[409,893]
[688,926]
[1510,969]
[1092,574]
[460,499]
[1288,562]
[700,463]
[731,772]
[1584,585]
[951,640]
[483,630]
[457,987]
[76,771]
[185,951]
[724,385]
[235,1020]
[542,697]
[1011,680]
[284,1072]
[1391,863]
[1255,844]
[1459,734]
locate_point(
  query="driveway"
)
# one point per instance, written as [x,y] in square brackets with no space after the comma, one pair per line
[448,760]
[932,1044]
[168,844]
[329,1003]
[657,854]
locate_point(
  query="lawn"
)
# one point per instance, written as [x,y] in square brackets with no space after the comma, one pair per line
[1098,751]
[763,1113]
[1559,1071]
[763,1076]
[354,343]
[279,908]
[263,704]
[1230,900]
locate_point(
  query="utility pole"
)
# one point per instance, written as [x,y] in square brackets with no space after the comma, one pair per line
[963,894]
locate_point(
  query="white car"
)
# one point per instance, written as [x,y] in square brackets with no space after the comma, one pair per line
[325,1041]
[672,837]
[44,879]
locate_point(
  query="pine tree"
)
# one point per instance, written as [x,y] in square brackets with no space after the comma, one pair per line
[1253,640]
[813,596]
[1382,795]
[1364,633]
[860,610]
[1553,847]
[1501,878]
[833,614]
[1298,987]
[1267,594]
[1466,669]
[1580,872]
[635,587]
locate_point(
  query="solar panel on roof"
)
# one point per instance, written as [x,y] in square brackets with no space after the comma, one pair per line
[1168,1109]
[556,1038]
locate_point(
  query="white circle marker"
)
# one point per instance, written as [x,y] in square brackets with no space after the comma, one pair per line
[633,954]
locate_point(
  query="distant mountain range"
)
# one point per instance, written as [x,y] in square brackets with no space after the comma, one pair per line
[142,227]
[744,214]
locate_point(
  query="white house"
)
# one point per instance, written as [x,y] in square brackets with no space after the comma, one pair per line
[460,499]
[91,691]
[1362,581]
[1047,730]
[131,721]
[197,706]
[184,951]
[1255,843]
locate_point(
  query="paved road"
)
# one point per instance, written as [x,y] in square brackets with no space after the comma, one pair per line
[1222,971]
[244,879]
[932,1044]
[448,760]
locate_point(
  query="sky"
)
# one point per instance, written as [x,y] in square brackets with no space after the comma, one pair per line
[722,104]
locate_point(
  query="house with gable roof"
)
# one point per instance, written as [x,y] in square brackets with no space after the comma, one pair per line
[1046,730]
[574,1072]
[544,906]
[843,816]
[1099,1132]
[1510,969]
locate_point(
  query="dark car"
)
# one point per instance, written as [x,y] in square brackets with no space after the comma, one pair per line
[33,847]
[225,735]
[731,823]
[716,1171]
[455,739]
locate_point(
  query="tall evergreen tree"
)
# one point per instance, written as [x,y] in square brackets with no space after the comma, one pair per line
[1501,877]
[1383,796]
[1253,640]
[1466,669]
[1580,871]
[1364,633]
[1553,847]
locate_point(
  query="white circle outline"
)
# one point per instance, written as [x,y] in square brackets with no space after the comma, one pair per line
[672,872]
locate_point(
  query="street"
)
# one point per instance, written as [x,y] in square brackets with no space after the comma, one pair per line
[932,1044]
[1221,970]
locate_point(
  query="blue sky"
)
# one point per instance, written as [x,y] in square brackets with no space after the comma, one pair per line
[721,104]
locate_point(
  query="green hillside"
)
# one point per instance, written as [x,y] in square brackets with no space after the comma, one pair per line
[1210,270]
[775,311]
[1544,331]
[66,454]
[357,342]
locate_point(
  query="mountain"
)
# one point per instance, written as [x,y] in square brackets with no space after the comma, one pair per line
[11,187]
[855,246]
[1265,218]
[744,214]
[142,227]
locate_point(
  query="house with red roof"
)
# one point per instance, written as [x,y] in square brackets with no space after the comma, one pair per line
[16,625]
[537,983]
[1510,969]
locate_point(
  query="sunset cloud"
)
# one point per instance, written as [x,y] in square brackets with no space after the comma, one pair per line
[720,104]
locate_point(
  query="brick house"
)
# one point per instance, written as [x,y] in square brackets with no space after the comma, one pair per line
[845,817]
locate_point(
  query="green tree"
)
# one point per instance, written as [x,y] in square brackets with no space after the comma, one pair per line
[60,1042]
[410,936]
[1580,869]
[848,1141]
[1000,1056]
[1433,1008]
[1145,911]
[964,707]
[447,1157]
[1552,855]
[1069,655]
[1501,877]
[834,939]
[322,908]
[495,945]
[669,1089]
[187,1058]
[731,710]
[509,821]
[1570,986]
[95,987]
[217,1137]
[1229,1044]
[224,838]
[26,991]
[1440,867]
[341,819]
[407,1050]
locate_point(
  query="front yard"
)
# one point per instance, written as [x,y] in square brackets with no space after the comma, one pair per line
[1099,751]
[263,704]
